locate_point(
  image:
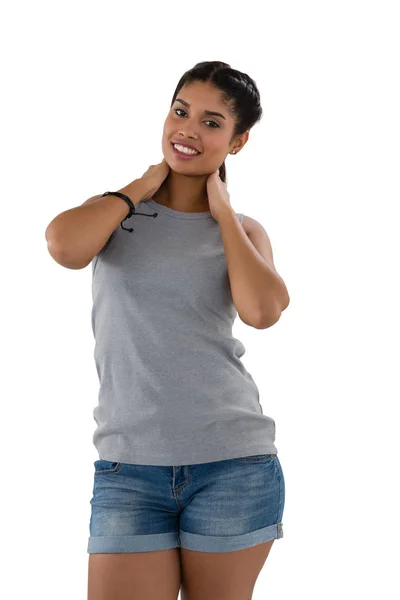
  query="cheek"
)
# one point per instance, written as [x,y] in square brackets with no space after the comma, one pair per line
[167,126]
[214,147]
[166,136]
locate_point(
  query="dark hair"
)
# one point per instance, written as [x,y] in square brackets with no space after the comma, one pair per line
[239,92]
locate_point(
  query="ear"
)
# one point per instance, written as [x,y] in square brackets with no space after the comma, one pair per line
[241,141]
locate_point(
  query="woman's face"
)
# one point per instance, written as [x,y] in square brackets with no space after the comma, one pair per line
[187,122]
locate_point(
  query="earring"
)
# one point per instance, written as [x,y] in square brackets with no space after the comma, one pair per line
[233,151]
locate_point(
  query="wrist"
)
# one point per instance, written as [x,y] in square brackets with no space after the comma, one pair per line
[134,191]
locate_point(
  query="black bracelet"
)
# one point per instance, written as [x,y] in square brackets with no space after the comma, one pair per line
[131,206]
[127,200]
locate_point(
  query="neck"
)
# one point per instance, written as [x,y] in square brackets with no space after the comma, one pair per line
[183,192]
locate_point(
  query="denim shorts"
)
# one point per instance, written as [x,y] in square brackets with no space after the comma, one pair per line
[210,507]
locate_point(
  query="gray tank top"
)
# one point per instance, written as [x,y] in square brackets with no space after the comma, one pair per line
[173,390]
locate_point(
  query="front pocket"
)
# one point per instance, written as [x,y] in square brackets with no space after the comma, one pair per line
[256,458]
[105,467]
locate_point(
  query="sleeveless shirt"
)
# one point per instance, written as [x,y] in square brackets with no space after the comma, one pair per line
[173,390]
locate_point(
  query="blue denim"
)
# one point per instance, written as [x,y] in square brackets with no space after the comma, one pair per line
[210,507]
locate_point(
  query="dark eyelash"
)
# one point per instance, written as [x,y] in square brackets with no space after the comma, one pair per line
[185,113]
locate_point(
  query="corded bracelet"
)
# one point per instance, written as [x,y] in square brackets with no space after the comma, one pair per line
[131,206]
[127,200]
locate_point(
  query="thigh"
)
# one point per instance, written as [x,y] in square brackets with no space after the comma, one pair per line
[145,575]
[229,526]
[222,575]
[232,504]
[133,509]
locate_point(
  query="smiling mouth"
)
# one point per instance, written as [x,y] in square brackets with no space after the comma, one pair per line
[197,151]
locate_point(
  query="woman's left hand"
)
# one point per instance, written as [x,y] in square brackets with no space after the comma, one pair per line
[218,195]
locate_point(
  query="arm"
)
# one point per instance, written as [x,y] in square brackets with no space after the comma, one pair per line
[76,235]
[258,291]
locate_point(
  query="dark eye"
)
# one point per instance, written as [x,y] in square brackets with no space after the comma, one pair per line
[181,109]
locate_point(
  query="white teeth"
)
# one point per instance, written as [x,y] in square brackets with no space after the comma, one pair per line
[185,150]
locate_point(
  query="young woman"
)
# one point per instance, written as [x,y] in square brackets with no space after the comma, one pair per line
[188,489]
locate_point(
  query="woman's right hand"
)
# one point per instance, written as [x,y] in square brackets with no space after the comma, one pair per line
[152,179]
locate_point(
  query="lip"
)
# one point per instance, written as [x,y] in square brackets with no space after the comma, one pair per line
[183,156]
[186,145]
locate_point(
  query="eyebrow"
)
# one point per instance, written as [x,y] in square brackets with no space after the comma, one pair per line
[207,112]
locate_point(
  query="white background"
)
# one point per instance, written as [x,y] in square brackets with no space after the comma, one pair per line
[86,87]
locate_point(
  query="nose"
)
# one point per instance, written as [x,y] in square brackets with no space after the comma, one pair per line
[188,132]
[187,136]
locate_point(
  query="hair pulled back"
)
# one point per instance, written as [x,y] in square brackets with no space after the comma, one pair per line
[238,91]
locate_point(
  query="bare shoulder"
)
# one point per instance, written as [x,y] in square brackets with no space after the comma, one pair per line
[259,238]
[249,224]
